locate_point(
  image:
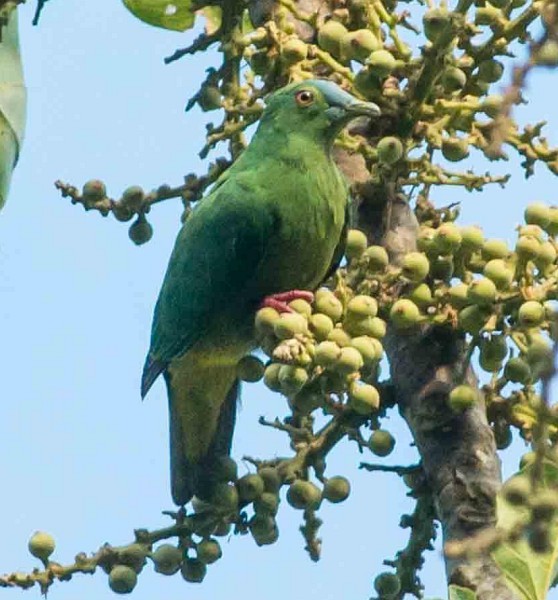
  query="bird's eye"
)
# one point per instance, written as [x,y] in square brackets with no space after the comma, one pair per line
[304,98]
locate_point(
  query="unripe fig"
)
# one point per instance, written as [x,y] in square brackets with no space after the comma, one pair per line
[289,324]
[527,247]
[225,469]
[517,371]
[356,244]
[133,197]
[540,357]
[370,349]
[455,149]
[425,239]
[336,489]
[339,336]
[415,266]
[537,214]
[193,570]
[435,21]
[490,70]
[300,306]
[462,397]
[250,369]
[294,50]
[167,559]
[41,545]
[494,348]
[209,98]
[381,442]
[357,45]
[348,361]
[94,190]
[472,319]
[404,314]
[472,238]
[121,212]
[387,585]
[367,82]
[271,377]
[447,238]
[327,353]
[377,258]
[327,303]
[271,478]
[531,313]
[490,364]
[488,15]
[453,79]
[263,529]
[421,295]
[442,267]
[303,494]
[208,551]
[225,496]
[140,231]
[390,150]
[532,231]
[547,54]
[457,295]
[364,398]
[482,291]
[250,487]
[492,105]
[133,556]
[381,63]
[265,320]
[320,325]
[330,35]
[499,273]
[546,256]
[494,249]
[552,227]
[267,504]
[361,326]
[362,306]
[122,579]
[292,378]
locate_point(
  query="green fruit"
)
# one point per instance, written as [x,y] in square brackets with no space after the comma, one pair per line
[250,369]
[421,295]
[482,291]
[552,227]
[349,361]
[499,273]
[425,239]
[547,255]
[294,51]
[225,469]
[167,559]
[356,244]
[265,320]
[367,82]
[260,63]
[447,238]
[502,434]
[250,487]
[377,258]
[537,214]
[404,314]
[494,249]
[339,336]
[301,307]
[517,371]
[457,295]
[121,212]
[494,348]
[41,545]
[327,353]
[492,105]
[267,504]
[381,442]
[336,489]
[415,266]
[361,326]
[225,496]
[133,556]
[303,494]
[362,306]
[387,585]
[209,98]
[122,579]
[531,314]
[488,15]
[133,197]
[193,570]
[364,399]
[381,63]
[288,325]
[369,348]
[330,35]
[357,45]
[462,397]
[326,302]
[490,365]
[292,378]
[517,490]
[390,150]
[94,190]
[271,377]
[472,319]
[435,21]
[547,54]
[377,328]
[527,247]
[263,529]
[532,231]
[490,70]
[442,267]
[453,79]
[272,479]
[208,551]
[321,326]
[472,238]
[540,357]
[140,231]
[455,149]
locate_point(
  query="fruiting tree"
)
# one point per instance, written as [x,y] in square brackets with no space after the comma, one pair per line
[419,291]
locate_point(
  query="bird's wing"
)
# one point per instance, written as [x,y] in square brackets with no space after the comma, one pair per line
[340,248]
[217,254]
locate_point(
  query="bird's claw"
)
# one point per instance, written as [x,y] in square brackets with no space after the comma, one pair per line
[280,301]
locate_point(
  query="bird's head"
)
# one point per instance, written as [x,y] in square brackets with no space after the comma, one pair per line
[316,107]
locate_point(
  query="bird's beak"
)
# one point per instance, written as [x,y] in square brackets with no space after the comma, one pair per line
[362,109]
[347,108]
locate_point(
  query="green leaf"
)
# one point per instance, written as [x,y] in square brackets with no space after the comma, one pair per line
[12,104]
[460,593]
[529,574]
[176,15]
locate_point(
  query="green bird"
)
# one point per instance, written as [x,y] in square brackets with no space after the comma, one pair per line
[274,222]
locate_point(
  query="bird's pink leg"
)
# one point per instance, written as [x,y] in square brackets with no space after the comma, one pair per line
[280,301]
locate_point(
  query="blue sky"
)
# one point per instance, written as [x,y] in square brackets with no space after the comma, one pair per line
[82,456]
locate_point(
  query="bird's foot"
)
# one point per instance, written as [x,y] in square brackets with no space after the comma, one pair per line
[280,301]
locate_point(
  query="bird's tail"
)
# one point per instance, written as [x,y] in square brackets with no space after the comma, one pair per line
[192,469]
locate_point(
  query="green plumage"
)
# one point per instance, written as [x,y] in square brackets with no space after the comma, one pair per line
[272,223]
